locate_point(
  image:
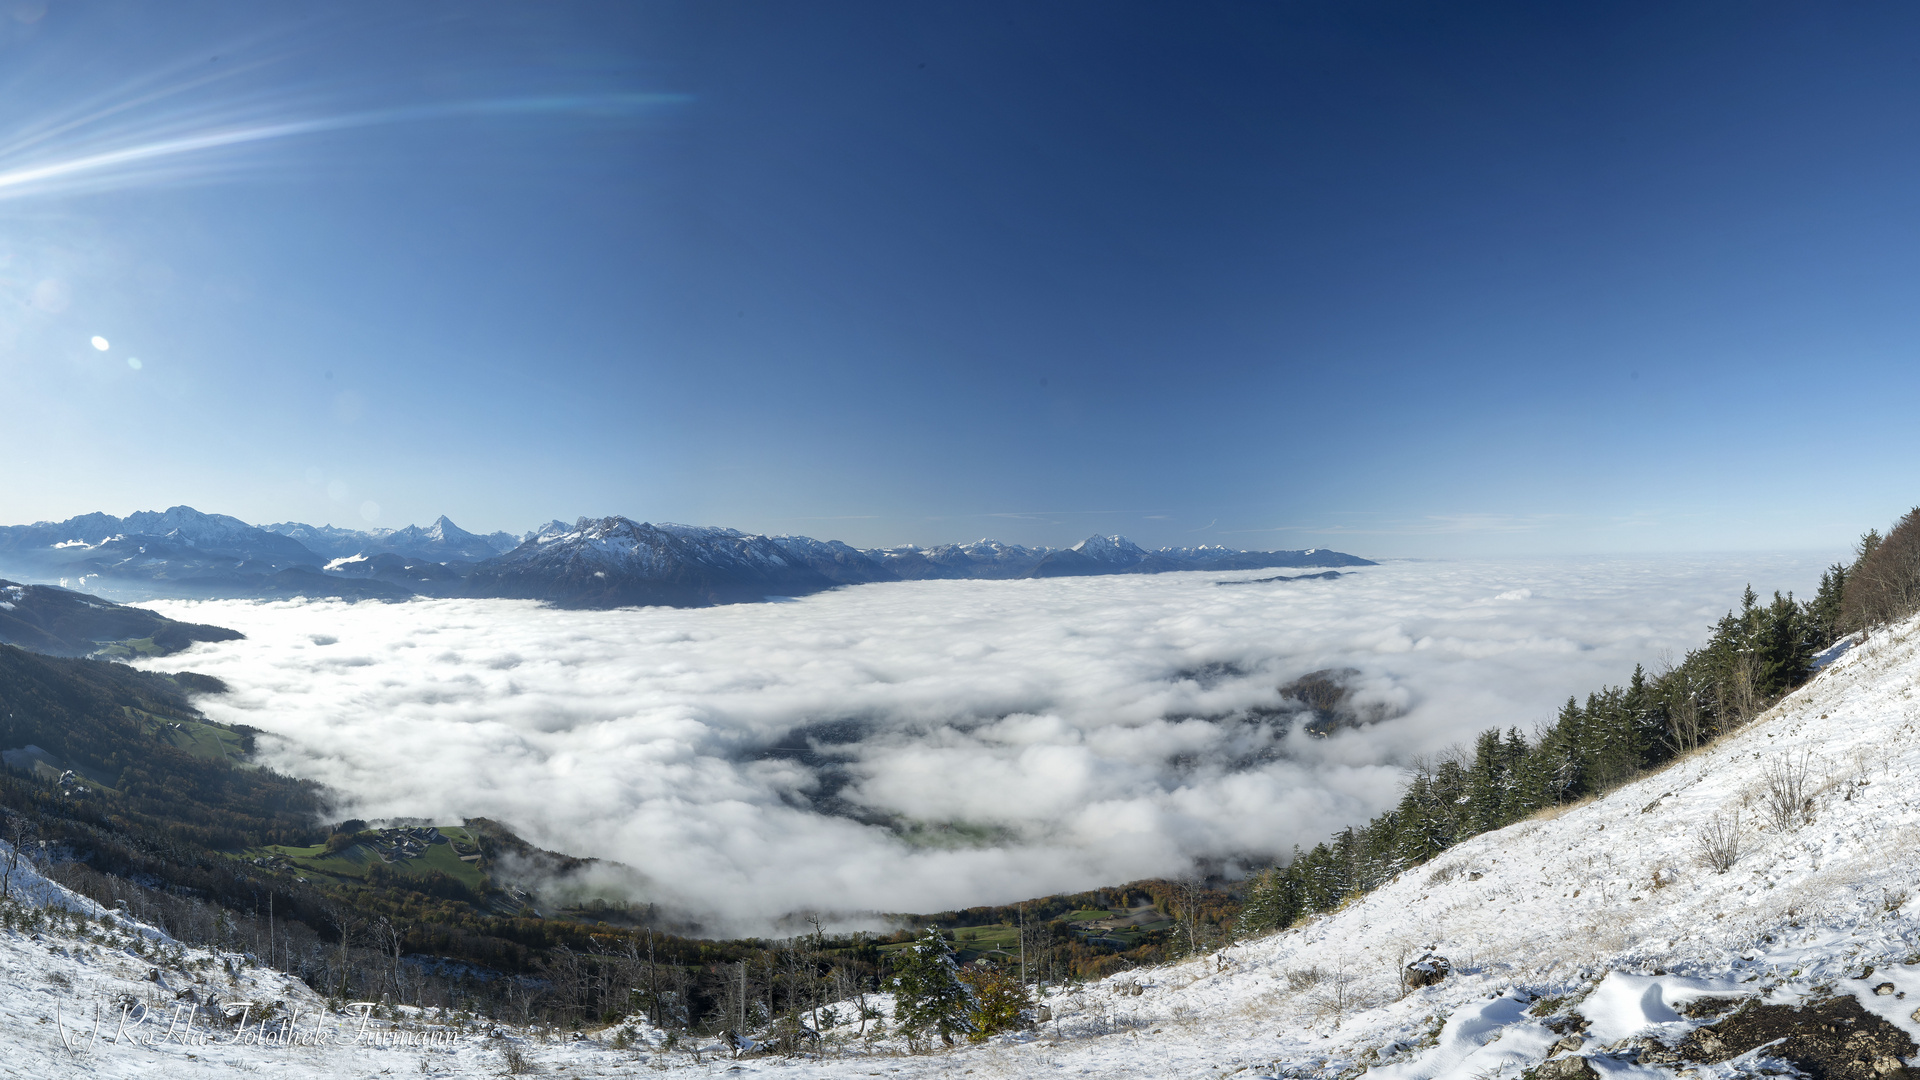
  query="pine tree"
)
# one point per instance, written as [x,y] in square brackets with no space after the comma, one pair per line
[928,993]
[1265,909]
[1486,785]
[1783,646]
[1824,611]
[1526,786]
[1423,831]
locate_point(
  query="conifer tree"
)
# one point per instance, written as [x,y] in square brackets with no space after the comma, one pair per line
[1265,909]
[1526,786]
[1486,784]
[1824,612]
[928,993]
[1423,831]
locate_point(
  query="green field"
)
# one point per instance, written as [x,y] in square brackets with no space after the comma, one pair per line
[1131,936]
[1091,914]
[975,942]
[199,739]
[131,647]
[351,863]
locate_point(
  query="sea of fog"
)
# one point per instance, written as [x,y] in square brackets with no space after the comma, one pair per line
[928,745]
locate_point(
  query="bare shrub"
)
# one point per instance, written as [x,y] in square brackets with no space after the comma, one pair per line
[1306,978]
[1721,843]
[1788,798]
[1444,874]
[1337,996]
[1399,952]
[515,1060]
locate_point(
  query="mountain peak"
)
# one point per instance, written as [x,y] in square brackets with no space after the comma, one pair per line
[1114,548]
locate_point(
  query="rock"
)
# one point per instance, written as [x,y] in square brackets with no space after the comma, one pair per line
[1570,1042]
[1427,971]
[1566,1068]
[1830,1038]
[1883,989]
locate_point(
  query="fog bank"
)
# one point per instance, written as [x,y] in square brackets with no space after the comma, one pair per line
[927,745]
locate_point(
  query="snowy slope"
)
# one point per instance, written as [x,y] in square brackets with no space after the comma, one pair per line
[85,992]
[1605,910]
[1608,900]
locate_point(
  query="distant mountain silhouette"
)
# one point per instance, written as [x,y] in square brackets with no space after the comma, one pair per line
[593,563]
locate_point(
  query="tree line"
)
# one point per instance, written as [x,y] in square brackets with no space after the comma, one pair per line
[1756,654]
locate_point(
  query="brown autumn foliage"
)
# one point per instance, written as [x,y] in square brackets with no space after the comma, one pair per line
[1884,583]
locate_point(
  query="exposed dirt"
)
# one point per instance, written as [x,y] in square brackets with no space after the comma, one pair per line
[1833,1039]
[1702,1007]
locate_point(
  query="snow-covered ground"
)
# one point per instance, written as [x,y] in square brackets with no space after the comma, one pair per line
[1607,914]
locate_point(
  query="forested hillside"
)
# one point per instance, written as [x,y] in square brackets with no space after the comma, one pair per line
[1756,654]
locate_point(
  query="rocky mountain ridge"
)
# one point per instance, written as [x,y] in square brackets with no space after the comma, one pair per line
[593,562]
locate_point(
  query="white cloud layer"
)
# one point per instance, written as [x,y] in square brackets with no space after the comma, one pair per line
[1029,736]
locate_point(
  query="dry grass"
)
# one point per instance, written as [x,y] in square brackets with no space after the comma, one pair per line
[1550,813]
[1306,978]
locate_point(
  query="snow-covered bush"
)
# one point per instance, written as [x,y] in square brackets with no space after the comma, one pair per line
[1788,794]
[1721,842]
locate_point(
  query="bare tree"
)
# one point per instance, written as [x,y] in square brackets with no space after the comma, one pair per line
[849,987]
[1187,890]
[737,997]
[349,925]
[569,974]
[522,996]
[392,940]
[1685,721]
[1036,947]
[12,861]
[1738,695]
[1884,584]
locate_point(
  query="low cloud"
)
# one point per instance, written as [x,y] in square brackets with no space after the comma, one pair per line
[926,745]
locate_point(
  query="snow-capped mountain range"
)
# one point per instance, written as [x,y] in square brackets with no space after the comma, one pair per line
[593,562]
[440,541]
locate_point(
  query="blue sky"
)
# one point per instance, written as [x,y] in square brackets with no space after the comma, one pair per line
[1399,279]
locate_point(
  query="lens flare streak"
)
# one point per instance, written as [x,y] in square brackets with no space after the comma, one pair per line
[35,178]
